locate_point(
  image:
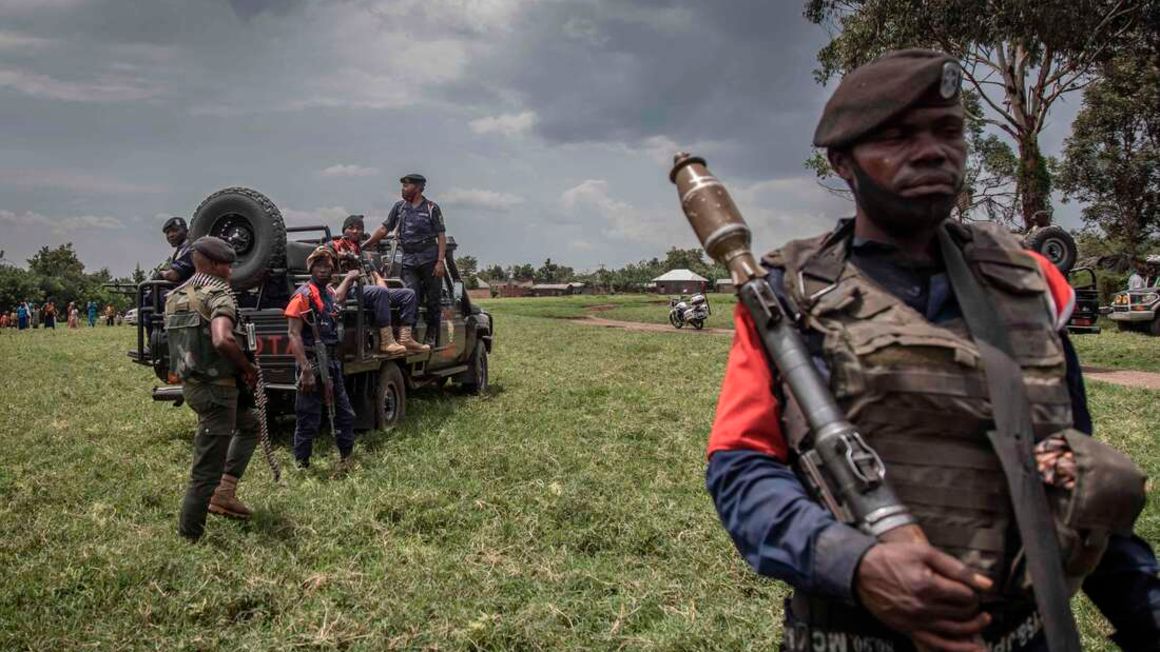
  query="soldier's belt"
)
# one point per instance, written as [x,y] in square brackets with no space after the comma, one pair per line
[812,624]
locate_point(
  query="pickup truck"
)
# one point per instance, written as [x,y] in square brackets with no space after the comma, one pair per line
[1137,310]
[271,264]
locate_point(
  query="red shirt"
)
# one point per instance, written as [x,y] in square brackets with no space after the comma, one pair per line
[299,304]
[748,416]
[342,245]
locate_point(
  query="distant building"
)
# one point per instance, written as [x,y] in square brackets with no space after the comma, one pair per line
[724,285]
[512,288]
[481,292]
[680,281]
[558,289]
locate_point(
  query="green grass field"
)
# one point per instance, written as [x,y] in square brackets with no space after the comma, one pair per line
[565,509]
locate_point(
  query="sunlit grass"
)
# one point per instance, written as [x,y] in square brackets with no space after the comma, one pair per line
[565,509]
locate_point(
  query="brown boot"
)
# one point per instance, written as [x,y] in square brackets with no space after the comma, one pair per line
[224,503]
[387,343]
[406,340]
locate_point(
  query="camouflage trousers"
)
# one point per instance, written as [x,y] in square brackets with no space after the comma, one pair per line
[224,443]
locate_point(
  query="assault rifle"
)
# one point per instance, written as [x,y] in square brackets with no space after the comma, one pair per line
[843,471]
[322,361]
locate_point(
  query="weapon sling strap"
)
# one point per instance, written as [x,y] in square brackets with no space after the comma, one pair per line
[1013,441]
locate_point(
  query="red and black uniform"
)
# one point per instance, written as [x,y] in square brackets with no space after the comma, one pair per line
[314,304]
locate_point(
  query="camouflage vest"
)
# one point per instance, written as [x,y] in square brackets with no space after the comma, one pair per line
[916,389]
[192,355]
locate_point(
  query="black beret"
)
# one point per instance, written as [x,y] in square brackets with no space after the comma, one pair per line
[874,94]
[352,219]
[215,249]
[414,178]
[174,223]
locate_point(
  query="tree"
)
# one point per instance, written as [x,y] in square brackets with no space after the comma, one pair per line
[550,272]
[1112,158]
[1020,56]
[139,275]
[466,264]
[523,272]
[61,261]
[493,274]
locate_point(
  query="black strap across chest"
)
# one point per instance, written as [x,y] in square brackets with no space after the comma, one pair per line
[1013,440]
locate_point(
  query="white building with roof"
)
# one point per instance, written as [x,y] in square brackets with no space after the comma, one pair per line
[680,281]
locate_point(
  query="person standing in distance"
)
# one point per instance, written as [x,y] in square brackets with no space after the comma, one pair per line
[418,222]
[884,321]
[201,319]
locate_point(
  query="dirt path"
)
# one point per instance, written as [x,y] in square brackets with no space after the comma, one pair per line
[1124,377]
[645,327]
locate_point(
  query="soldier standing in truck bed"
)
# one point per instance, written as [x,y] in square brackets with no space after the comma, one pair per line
[419,224]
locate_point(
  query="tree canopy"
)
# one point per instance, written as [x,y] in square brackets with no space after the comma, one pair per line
[1018,56]
[1112,158]
[57,274]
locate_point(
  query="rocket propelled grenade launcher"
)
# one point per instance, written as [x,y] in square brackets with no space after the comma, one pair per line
[843,470]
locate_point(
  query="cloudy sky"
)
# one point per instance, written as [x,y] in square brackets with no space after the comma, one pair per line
[545,127]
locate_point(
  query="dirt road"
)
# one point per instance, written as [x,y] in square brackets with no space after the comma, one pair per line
[1124,377]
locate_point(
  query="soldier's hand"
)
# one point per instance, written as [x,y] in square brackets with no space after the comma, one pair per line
[353,274]
[250,376]
[306,382]
[918,590]
[440,270]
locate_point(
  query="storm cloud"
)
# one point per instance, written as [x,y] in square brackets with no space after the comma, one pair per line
[545,127]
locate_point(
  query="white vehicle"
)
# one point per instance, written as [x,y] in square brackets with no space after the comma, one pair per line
[131,316]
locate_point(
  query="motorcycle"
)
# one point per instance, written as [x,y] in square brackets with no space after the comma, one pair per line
[695,311]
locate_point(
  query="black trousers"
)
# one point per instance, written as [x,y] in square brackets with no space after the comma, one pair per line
[422,279]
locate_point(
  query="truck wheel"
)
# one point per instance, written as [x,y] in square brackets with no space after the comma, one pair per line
[252,224]
[1154,327]
[1055,244]
[390,397]
[475,381]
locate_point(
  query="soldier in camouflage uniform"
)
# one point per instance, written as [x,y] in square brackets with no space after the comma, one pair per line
[201,318]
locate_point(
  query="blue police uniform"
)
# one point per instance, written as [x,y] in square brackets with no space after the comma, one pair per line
[182,261]
[800,544]
[419,227]
[309,406]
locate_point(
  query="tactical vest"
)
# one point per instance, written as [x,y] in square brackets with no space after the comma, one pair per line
[917,392]
[192,355]
[325,312]
[417,225]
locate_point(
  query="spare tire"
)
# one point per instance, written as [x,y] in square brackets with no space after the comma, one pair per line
[251,223]
[1055,244]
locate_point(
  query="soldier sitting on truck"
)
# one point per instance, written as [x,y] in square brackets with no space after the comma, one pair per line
[378,298]
[312,316]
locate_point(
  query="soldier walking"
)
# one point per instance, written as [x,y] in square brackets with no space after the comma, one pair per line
[201,319]
[889,310]
[314,309]
[418,222]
